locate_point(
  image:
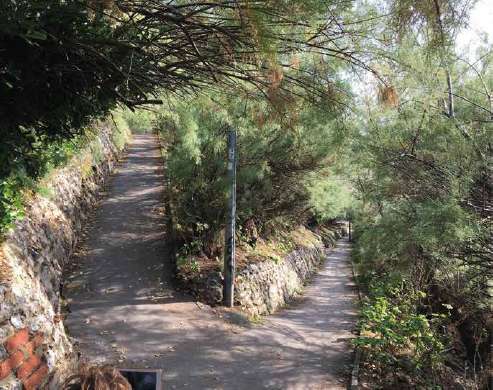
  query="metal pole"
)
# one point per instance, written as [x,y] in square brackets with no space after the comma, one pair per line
[229,252]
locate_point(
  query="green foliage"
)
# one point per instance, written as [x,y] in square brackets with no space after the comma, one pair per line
[11,198]
[423,183]
[438,20]
[121,132]
[20,185]
[51,86]
[330,197]
[423,186]
[275,159]
[394,334]
[188,266]
[67,62]
[139,121]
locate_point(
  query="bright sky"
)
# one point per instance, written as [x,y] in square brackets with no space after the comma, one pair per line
[468,40]
[481,20]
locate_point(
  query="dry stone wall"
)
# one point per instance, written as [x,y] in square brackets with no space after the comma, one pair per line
[262,288]
[32,257]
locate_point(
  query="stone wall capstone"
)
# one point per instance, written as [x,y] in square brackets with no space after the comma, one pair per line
[33,255]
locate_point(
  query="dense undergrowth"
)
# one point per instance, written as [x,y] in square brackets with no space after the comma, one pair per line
[423,231]
[285,169]
[407,155]
[21,184]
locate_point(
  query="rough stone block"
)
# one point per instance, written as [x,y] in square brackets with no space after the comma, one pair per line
[16,359]
[17,340]
[5,369]
[37,378]
[32,363]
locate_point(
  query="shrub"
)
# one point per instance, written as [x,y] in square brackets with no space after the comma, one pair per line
[139,121]
[18,184]
[396,337]
[276,156]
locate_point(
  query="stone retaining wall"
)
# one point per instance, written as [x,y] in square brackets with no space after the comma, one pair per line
[31,260]
[265,286]
[262,288]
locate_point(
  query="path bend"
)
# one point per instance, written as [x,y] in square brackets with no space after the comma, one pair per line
[125,311]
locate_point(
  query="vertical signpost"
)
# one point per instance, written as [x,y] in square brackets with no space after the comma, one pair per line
[229,251]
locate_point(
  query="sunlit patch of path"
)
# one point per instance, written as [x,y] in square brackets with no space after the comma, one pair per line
[124,309]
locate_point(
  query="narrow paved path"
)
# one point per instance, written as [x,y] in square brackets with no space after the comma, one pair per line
[125,311]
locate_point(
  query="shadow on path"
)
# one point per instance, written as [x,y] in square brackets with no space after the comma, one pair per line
[125,311]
